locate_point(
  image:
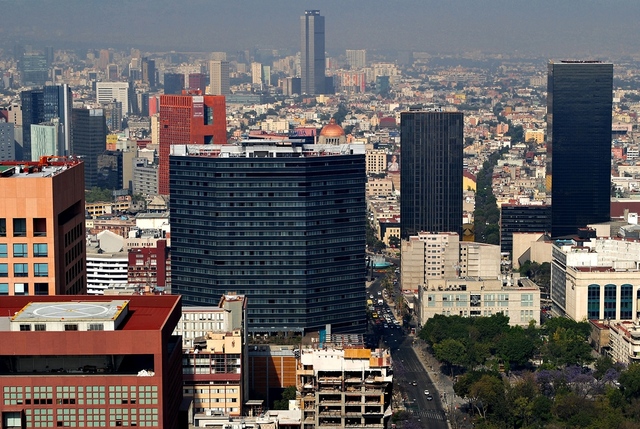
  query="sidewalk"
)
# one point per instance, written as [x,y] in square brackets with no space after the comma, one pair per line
[442,382]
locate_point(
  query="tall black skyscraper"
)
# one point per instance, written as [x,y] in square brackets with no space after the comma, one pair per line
[579,104]
[283,225]
[88,140]
[431,172]
[312,62]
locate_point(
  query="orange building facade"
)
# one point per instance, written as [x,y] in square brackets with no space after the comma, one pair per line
[190,118]
[42,232]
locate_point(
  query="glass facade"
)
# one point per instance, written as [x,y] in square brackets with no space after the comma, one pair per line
[593,302]
[610,302]
[626,302]
[287,232]
[312,55]
[431,172]
[579,105]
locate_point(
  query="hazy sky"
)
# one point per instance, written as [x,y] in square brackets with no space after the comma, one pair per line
[567,28]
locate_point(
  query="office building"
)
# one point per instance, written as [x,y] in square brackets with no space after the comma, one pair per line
[46,139]
[32,113]
[7,141]
[91,361]
[107,92]
[219,77]
[113,74]
[197,82]
[34,69]
[42,232]
[149,72]
[57,103]
[516,218]
[190,118]
[145,177]
[107,262]
[356,58]
[256,73]
[431,172]
[173,83]
[43,105]
[89,140]
[596,280]
[149,265]
[270,370]
[579,106]
[475,297]
[312,55]
[278,221]
[344,384]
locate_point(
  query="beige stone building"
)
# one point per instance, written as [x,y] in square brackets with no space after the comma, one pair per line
[472,297]
[376,161]
[428,256]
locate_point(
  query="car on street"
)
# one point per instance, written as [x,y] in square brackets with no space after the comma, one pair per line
[429,398]
[414,383]
[426,392]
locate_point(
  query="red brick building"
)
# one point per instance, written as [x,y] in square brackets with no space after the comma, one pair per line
[148,265]
[190,118]
[90,361]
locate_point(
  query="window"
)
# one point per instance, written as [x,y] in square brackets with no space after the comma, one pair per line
[41,270]
[41,288]
[20,270]
[20,289]
[39,227]
[40,250]
[4,270]
[40,327]
[73,327]
[4,288]
[20,250]
[25,327]
[3,250]
[19,227]
[96,327]
[3,227]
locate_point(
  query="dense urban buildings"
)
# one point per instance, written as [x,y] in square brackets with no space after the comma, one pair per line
[42,232]
[100,362]
[516,218]
[280,222]
[107,92]
[431,172]
[190,118]
[579,121]
[312,56]
[173,83]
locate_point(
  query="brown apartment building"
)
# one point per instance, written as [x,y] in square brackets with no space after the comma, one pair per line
[42,233]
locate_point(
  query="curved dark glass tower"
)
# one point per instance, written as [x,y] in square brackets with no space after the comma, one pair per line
[579,104]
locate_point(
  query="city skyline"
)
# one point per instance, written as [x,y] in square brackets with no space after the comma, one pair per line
[544,28]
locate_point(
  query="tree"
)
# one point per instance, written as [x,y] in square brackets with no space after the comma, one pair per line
[515,347]
[630,382]
[288,394]
[452,352]
[96,195]
[487,392]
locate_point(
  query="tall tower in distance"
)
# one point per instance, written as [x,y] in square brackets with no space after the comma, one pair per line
[312,61]
[431,172]
[579,105]
[219,77]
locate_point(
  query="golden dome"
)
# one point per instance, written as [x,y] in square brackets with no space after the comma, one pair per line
[332,129]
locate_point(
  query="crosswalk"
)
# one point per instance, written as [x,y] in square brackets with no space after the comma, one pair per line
[429,414]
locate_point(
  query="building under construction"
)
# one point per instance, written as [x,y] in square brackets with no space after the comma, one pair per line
[343,384]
